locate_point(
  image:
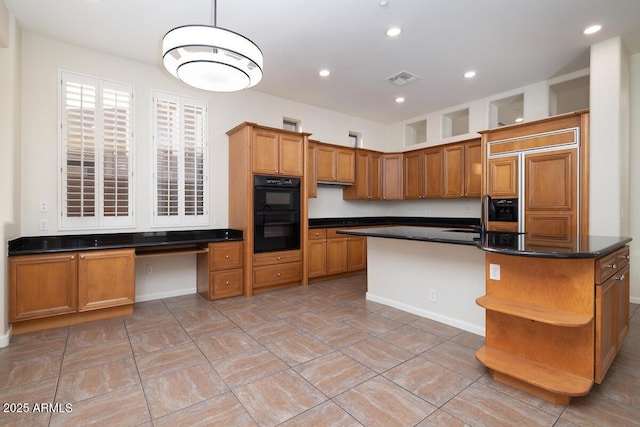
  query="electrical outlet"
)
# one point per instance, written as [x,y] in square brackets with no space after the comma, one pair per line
[44,206]
[433,295]
[44,225]
[494,271]
[149,269]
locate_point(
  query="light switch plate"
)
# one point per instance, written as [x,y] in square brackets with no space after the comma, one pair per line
[494,271]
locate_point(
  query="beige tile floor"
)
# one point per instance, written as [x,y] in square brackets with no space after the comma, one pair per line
[306,356]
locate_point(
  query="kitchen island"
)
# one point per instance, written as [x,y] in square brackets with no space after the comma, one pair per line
[555,316]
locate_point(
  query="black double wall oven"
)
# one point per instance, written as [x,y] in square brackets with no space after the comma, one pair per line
[276,213]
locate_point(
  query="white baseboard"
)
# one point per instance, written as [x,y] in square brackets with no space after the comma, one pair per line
[635,300]
[4,339]
[161,295]
[465,326]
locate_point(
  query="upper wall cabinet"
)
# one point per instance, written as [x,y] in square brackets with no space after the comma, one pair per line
[335,164]
[277,153]
[423,174]
[462,169]
[368,177]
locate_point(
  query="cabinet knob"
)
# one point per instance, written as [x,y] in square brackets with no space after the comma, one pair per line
[278,274]
[73,257]
[623,257]
[279,258]
[81,256]
[226,283]
[620,277]
[226,256]
[613,266]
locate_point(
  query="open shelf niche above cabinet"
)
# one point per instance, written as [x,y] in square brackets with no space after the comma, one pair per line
[455,123]
[415,132]
[568,96]
[506,111]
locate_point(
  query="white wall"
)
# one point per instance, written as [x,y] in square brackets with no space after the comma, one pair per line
[10,158]
[634,176]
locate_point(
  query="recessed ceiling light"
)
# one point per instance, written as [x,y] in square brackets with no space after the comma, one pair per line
[592,29]
[324,72]
[394,31]
[400,100]
[519,119]
[383,3]
[469,74]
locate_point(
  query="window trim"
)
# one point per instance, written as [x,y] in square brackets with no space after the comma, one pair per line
[182,219]
[99,220]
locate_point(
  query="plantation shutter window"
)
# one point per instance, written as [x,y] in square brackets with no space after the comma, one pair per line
[96,158]
[180,157]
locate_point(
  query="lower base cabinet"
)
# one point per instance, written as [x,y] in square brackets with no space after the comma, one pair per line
[277,268]
[330,253]
[219,271]
[42,286]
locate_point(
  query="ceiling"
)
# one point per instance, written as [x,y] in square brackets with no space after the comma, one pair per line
[508,43]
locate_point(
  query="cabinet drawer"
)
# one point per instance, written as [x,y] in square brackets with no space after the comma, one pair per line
[277,274]
[270,258]
[225,255]
[332,232]
[607,265]
[225,284]
[317,233]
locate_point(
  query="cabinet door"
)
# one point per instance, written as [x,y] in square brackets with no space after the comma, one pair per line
[225,284]
[473,169]
[432,165]
[336,255]
[551,189]
[326,163]
[312,180]
[606,334]
[392,176]
[42,285]
[291,155]
[106,279]
[622,324]
[356,253]
[503,177]
[361,189]
[317,258]
[345,165]
[412,171]
[453,171]
[375,192]
[264,152]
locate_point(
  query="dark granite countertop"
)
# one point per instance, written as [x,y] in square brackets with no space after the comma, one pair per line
[499,242]
[394,220]
[83,242]
[425,234]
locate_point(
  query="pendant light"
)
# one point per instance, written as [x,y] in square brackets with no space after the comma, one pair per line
[212,58]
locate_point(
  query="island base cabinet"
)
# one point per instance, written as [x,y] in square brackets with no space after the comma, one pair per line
[554,325]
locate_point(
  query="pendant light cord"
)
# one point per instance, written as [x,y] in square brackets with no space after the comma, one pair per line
[214,12]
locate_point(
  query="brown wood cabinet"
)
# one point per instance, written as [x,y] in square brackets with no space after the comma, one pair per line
[423,174]
[41,286]
[312,178]
[503,177]
[368,177]
[106,279]
[272,269]
[335,163]
[612,308]
[277,153]
[330,253]
[220,271]
[246,148]
[392,176]
[462,169]
[554,325]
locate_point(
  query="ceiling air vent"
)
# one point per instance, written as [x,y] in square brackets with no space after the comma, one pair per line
[402,78]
